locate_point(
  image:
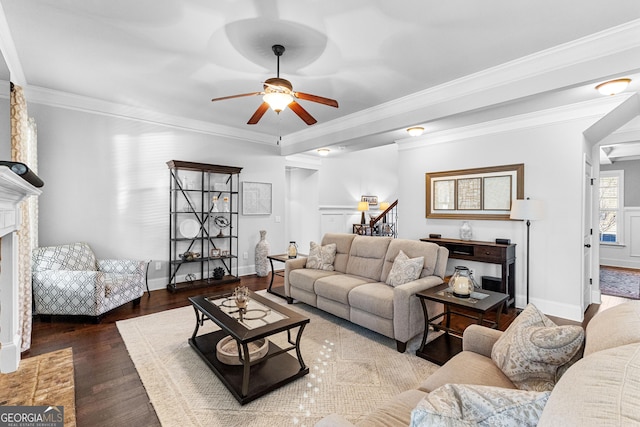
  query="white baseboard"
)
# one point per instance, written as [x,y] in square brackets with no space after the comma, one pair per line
[553,308]
[620,263]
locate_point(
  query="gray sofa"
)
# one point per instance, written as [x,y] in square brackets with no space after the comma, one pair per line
[356,290]
[600,389]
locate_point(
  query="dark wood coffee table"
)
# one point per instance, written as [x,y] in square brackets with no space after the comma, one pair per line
[449,344]
[264,318]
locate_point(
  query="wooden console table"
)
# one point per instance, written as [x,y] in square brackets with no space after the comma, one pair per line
[486,252]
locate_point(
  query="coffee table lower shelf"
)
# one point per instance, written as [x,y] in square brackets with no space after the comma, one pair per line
[265,376]
[441,349]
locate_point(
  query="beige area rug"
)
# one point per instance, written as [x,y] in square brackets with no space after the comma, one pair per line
[44,380]
[352,371]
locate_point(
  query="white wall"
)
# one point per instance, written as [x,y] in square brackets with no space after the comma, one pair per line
[106,183]
[552,155]
[302,220]
[344,178]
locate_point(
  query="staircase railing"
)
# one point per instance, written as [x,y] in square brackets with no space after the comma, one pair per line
[386,224]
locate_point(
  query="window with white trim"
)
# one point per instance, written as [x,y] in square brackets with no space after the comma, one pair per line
[611,205]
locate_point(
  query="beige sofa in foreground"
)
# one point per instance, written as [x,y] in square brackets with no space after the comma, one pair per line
[601,389]
[355,287]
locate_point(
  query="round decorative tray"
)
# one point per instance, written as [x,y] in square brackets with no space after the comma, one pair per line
[227,350]
[189,228]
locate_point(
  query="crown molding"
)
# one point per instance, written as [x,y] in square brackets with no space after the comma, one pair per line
[54,98]
[547,70]
[560,66]
[588,109]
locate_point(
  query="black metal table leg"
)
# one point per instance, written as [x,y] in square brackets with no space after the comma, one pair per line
[425,334]
[298,352]
[273,273]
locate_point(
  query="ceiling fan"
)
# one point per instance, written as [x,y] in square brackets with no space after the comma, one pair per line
[278,94]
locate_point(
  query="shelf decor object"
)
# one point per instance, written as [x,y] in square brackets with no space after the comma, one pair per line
[203,203]
[262,252]
[482,193]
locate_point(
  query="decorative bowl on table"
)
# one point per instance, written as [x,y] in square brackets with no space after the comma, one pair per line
[227,350]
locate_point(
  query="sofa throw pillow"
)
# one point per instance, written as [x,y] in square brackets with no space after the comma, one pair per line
[477,405]
[533,348]
[321,257]
[404,269]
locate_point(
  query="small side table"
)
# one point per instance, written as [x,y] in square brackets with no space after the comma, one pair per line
[279,291]
[449,344]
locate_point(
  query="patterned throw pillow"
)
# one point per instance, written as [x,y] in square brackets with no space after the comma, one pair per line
[321,257]
[533,348]
[404,269]
[477,405]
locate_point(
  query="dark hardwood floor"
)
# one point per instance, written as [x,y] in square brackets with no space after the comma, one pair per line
[109,391]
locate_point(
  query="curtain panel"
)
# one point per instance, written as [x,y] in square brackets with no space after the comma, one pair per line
[24,149]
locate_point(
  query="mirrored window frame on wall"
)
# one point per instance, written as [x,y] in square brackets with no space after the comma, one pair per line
[480,193]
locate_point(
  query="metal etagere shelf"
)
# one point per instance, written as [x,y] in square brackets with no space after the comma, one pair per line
[203,224]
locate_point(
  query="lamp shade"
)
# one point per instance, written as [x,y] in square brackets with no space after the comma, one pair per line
[526,209]
[384,206]
[363,206]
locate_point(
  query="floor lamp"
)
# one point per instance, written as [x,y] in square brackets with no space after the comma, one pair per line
[529,210]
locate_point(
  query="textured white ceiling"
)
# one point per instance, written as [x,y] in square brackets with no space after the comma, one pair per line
[173,56]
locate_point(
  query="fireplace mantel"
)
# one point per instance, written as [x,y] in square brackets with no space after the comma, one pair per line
[13,190]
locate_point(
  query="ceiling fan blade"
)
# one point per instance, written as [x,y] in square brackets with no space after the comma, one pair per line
[238,96]
[258,114]
[302,113]
[316,98]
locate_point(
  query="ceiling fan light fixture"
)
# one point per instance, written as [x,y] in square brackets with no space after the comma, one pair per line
[278,101]
[415,131]
[613,87]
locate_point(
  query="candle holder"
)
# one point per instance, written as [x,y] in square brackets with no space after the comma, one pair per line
[462,282]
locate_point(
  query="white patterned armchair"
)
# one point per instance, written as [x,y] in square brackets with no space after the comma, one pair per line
[68,280]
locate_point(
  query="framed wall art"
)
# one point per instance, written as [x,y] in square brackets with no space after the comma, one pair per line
[372,200]
[482,193]
[256,198]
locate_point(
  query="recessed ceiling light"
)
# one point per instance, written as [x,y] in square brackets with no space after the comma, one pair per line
[415,131]
[613,87]
[323,151]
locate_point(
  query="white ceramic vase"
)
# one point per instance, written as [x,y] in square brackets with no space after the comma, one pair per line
[262,251]
[466,233]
